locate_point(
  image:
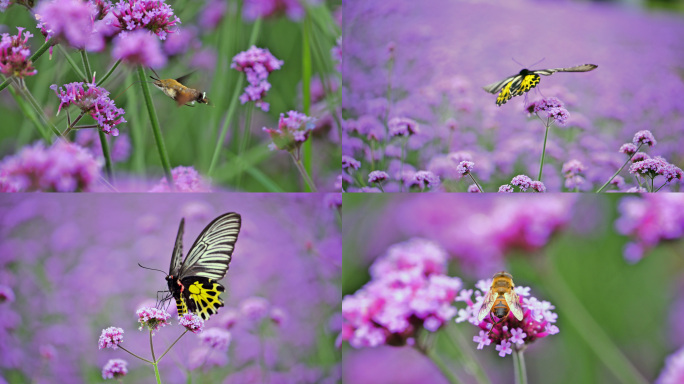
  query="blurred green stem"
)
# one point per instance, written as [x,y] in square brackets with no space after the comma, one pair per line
[306,84]
[161,148]
[21,87]
[448,375]
[109,73]
[401,167]
[546,135]
[598,341]
[31,114]
[476,183]
[154,361]
[469,360]
[305,175]
[244,141]
[171,346]
[71,62]
[107,156]
[86,64]
[519,366]
[620,170]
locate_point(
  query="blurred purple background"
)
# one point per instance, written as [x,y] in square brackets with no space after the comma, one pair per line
[71,262]
[446,51]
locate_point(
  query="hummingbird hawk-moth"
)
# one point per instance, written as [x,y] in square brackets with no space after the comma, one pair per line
[183,95]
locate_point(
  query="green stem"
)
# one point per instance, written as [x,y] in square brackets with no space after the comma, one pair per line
[138,157]
[27,94]
[401,167]
[134,355]
[541,163]
[305,175]
[161,148]
[107,156]
[620,170]
[244,142]
[154,361]
[171,346]
[519,366]
[446,372]
[470,362]
[31,114]
[306,84]
[109,73]
[71,126]
[86,64]
[71,62]
[476,183]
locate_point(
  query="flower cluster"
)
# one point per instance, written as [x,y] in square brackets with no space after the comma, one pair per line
[70,21]
[408,291]
[216,338]
[93,100]
[111,338]
[152,318]
[191,322]
[648,220]
[185,179]
[402,126]
[153,15]
[291,133]
[254,9]
[573,171]
[423,180]
[139,48]
[523,182]
[114,369]
[551,108]
[63,167]
[537,322]
[257,64]
[652,167]
[14,55]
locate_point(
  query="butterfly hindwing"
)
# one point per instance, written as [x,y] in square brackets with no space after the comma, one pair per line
[202,296]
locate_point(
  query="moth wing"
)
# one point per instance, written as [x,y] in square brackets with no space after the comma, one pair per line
[177,256]
[487,305]
[185,77]
[494,88]
[514,304]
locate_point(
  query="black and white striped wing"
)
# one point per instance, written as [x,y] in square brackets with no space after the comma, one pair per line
[177,256]
[496,87]
[210,255]
[578,68]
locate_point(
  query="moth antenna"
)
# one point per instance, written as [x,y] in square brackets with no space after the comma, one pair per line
[152,269]
[155,72]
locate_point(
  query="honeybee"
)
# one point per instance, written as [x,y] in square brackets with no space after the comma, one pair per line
[501,299]
[183,95]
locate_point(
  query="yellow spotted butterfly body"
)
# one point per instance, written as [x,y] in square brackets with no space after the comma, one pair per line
[193,282]
[527,79]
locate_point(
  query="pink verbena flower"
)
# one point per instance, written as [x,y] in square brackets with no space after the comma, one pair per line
[644,137]
[114,369]
[423,180]
[257,64]
[538,186]
[402,126]
[6,294]
[673,372]
[253,9]
[552,108]
[522,181]
[538,320]
[628,149]
[465,167]
[15,54]
[377,177]
[185,179]
[152,318]
[657,166]
[111,338]
[292,131]
[472,188]
[640,156]
[254,309]
[63,167]
[191,322]
[139,47]
[572,171]
[70,21]
[349,162]
[216,338]
[506,188]
[153,15]
[278,315]
[93,100]
[409,290]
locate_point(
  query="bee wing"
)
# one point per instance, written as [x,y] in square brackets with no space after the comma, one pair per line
[514,304]
[496,87]
[487,305]
[577,68]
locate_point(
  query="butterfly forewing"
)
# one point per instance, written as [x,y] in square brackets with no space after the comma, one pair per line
[577,68]
[496,87]
[514,304]
[487,305]
[177,256]
[210,255]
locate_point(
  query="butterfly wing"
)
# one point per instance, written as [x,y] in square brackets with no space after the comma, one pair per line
[514,304]
[577,68]
[177,256]
[487,305]
[210,255]
[201,295]
[524,85]
[494,88]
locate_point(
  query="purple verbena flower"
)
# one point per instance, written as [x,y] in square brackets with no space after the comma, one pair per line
[504,348]
[257,64]
[15,54]
[649,167]
[472,188]
[644,137]
[618,181]
[111,338]
[552,108]
[93,100]
[185,179]
[482,340]
[506,188]
[349,162]
[216,338]
[114,369]
[640,156]
[538,186]
[278,315]
[152,318]
[191,322]
[402,126]
[153,15]
[423,180]
[573,167]
[139,47]
[254,9]
[254,308]
[377,177]
[63,167]
[465,167]
[70,21]
[6,294]
[521,181]
[628,149]
[292,131]
[673,372]
[212,14]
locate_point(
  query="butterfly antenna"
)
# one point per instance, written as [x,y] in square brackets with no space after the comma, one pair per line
[543,58]
[152,269]
[517,62]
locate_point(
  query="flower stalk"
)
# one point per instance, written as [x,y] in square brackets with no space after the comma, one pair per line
[621,168]
[306,87]
[546,135]
[302,171]
[519,366]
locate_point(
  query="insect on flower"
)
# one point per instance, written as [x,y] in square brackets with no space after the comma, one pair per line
[501,299]
[183,95]
[527,79]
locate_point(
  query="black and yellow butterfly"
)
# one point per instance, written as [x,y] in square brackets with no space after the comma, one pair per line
[193,283]
[527,79]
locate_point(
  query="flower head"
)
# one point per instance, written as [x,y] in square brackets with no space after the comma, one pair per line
[111,338]
[673,372]
[409,290]
[403,126]
[628,149]
[152,318]
[349,162]
[506,188]
[14,55]
[537,322]
[139,47]
[63,167]
[521,181]
[377,177]
[216,338]
[292,131]
[254,308]
[423,180]
[640,156]
[465,167]
[70,21]
[93,100]
[6,294]
[191,322]
[254,9]
[473,188]
[552,108]
[114,369]
[538,186]
[185,179]
[257,64]
[153,15]
[644,137]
